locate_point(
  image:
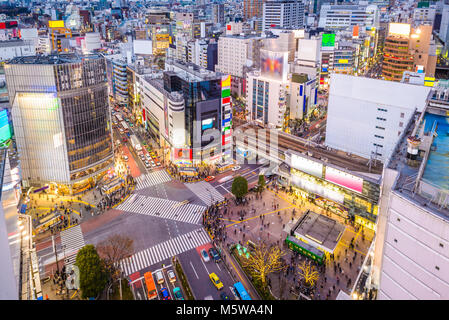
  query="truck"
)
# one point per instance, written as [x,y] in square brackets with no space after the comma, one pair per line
[135,143]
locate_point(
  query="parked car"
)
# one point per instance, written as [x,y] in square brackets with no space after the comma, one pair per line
[204,255]
[216,281]
[159,277]
[164,294]
[178,294]
[171,276]
[214,254]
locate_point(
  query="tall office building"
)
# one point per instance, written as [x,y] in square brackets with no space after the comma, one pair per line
[61,119]
[344,16]
[288,14]
[252,8]
[410,258]
[218,14]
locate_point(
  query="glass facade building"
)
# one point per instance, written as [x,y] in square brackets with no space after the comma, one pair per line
[61,118]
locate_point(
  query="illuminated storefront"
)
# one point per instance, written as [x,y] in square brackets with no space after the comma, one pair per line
[335,189]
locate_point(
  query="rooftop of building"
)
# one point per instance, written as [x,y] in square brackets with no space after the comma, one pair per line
[54,58]
[12,43]
[322,230]
[190,71]
[425,181]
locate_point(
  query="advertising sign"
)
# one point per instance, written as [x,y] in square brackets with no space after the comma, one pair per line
[307,166]
[56,24]
[182,154]
[328,40]
[274,65]
[400,29]
[344,179]
[5,129]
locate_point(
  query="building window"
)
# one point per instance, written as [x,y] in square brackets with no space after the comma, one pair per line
[380,137]
[402,114]
[382,128]
[382,119]
[401,124]
[383,110]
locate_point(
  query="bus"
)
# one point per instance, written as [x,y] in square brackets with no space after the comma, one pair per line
[188,171]
[151,287]
[222,167]
[125,126]
[241,292]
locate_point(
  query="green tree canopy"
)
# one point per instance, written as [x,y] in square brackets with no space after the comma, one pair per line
[239,187]
[261,182]
[93,277]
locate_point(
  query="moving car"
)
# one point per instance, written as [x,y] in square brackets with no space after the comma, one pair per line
[158,163]
[236,168]
[147,164]
[125,139]
[214,254]
[178,294]
[159,277]
[148,157]
[216,281]
[224,296]
[171,276]
[209,178]
[164,294]
[125,158]
[204,255]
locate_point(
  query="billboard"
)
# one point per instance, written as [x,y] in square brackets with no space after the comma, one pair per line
[400,29]
[5,129]
[208,124]
[182,154]
[328,40]
[56,24]
[274,65]
[307,166]
[344,179]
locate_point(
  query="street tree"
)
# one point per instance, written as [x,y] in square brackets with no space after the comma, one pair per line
[261,183]
[114,249]
[93,276]
[239,187]
[308,273]
[264,260]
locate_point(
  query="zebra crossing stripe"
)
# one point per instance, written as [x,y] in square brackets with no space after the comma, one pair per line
[152,178]
[163,208]
[205,191]
[163,250]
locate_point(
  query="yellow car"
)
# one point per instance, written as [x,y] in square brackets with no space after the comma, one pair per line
[216,281]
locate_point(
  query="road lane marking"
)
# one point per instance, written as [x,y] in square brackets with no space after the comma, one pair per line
[194,270]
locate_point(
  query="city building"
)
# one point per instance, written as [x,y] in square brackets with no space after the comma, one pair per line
[218,13]
[410,252]
[367,116]
[252,8]
[345,15]
[119,82]
[288,14]
[187,111]
[61,118]
[16,48]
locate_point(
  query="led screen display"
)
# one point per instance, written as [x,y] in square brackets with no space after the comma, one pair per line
[207,124]
[344,179]
[273,64]
[5,129]
[328,40]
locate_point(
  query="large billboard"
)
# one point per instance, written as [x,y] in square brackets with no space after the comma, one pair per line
[344,179]
[56,24]
[307,166]
[274,65]
[328,40]
[400,29]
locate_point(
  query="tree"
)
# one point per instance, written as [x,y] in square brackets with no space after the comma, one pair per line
[262,261]
[308,273]
[239,187]
[93,276]
[261,183]
[114,249]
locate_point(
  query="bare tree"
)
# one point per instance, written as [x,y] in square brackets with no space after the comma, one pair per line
[114,249]
[264,260]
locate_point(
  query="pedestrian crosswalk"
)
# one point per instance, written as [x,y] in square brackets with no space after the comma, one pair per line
[162,251]
[71,241]
[205,191]
[151,179]
[163,208]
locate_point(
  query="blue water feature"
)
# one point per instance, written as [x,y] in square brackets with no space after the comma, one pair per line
[437,168]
